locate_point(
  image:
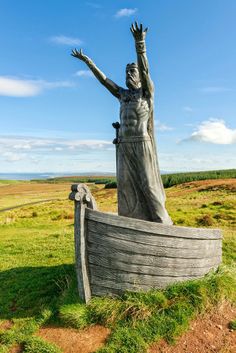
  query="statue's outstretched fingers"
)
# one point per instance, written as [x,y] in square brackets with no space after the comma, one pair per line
[136,25]
[141,27]
[132,26]
[146,29]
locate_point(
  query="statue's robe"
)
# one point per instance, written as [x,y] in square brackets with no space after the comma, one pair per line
[140,190]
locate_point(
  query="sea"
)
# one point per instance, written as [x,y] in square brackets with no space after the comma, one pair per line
[31,176]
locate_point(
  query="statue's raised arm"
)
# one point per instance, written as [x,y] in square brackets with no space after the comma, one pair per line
[109,84]
[139,36]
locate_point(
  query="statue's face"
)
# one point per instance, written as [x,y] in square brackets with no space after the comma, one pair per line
[132,77]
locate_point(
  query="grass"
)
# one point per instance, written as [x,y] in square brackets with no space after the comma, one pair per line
[137,319]
[167,179]
[179,178]
[10,182]
[232,325]
[37,277]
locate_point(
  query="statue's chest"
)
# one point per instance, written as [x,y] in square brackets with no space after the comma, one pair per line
[133,101]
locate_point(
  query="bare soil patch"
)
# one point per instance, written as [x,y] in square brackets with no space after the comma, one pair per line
[6,325]
[16,349]
[207,334]
[74,341]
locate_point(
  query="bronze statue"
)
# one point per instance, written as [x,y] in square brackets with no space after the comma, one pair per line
[140,190]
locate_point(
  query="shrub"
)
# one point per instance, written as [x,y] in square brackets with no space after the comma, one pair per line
[232,325]
[205,221]
[111,185]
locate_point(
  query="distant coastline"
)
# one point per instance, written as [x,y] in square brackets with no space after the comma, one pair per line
[30,176]
[48,175]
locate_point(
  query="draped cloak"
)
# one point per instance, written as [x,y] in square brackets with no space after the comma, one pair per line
[140,190]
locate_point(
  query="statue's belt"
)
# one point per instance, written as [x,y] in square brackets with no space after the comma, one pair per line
[134,139]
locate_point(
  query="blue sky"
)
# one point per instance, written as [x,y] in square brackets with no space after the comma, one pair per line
[55,117]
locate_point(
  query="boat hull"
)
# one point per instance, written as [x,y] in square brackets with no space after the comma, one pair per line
[121,253]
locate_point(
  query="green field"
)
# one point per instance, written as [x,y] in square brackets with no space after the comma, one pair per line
[167,179]
[37,277]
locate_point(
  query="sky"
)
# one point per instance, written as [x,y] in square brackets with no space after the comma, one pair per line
[56,117]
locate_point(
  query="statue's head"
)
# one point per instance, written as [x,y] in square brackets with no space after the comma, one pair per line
[132,76]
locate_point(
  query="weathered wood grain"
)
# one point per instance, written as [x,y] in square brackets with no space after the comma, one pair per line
[82,199]
[100,291]
[80,253]
[152,227]
[141,283]
[115,254]
[148,266]
[122,270]
[112,244]
[154,240]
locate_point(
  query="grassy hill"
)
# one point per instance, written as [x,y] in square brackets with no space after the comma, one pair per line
[37,277]
[168,180]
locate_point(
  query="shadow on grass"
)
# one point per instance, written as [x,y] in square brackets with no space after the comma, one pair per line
[26,291]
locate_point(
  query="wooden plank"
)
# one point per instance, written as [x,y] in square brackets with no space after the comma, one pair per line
[152,227]
[82,199]
[123,286]
[112,286]
[98,281]
[81,252]
[171,265]
[123,246]
[149,270]
[100,291]
[151,239]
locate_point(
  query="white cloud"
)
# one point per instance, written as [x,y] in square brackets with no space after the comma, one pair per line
[17,87]
[13,157]
[214,131]
[57,154]
[11,144]
[93,5]
[55,84]
[162,127]
[192,160]
[125,12]
[215,89]
[64,40]
[188,109]
[84,73]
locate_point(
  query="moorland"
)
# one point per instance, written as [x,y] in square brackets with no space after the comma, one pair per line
[38,295]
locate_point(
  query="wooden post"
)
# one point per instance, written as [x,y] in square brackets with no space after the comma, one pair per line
[82,199]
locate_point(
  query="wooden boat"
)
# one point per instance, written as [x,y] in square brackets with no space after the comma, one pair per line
[114,254]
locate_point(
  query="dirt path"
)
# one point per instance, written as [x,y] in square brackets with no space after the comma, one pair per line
[27,204]
[208,334]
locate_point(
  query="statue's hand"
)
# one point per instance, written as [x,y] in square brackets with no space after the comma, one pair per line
[138,33]
[79,54]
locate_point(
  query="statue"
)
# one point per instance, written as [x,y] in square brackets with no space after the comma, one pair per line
[140,190]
